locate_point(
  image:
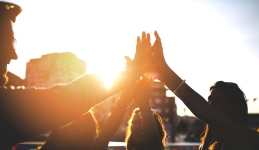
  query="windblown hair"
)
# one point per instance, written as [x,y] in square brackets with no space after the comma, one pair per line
[236,97]
[160,128]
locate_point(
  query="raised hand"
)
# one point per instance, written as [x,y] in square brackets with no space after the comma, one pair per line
[159,64]
[143,93]
[152,138]
[143,55]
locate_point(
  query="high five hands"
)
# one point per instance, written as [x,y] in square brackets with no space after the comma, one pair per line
[149,58]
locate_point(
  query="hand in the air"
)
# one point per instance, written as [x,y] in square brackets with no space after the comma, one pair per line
[158,65]
[143,55]
[143,93]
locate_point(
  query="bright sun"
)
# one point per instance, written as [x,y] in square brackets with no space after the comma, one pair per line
[108,78]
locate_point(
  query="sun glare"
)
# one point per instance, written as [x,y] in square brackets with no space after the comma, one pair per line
[108,78]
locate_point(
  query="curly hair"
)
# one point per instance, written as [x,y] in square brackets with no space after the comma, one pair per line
[160,128]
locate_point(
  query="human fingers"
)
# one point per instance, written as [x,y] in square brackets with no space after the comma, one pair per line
[143,36]
[148,39]
[129,63]
[158,49]
[142,41]
[157,35]
[147,43]
[138,44]
[128,58]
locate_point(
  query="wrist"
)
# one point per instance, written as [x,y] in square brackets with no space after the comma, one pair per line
[164,73]
[145,109]
[169,76]
[140,69]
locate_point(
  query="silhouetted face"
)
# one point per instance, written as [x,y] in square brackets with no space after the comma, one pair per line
[137,133]
[7,47]
[220,101]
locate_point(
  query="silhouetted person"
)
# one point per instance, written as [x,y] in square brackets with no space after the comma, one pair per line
[27,112]
[225,113]
[8,13]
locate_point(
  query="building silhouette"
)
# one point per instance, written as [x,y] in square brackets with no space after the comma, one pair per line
[54,68]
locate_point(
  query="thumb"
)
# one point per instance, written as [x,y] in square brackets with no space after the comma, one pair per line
[129,62]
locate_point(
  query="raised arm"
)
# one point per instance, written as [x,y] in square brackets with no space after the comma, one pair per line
[151,135]
[30,112]
[112,124]
[114,121]
[228,129]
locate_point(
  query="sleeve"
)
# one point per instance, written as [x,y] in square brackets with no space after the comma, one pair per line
[25,113]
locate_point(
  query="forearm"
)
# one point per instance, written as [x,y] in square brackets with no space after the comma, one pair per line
[112,124]
[30,112]
[225,127]
[195,102]
[126,79]
[109,129]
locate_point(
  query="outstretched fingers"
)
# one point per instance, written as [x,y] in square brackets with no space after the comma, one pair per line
[138,44]
[148,41]
[157,36]
[158,49]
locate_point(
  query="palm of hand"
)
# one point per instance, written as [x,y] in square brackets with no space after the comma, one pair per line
[158,64]
[143,53]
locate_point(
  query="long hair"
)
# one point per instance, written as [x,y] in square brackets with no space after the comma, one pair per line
[160,128]
[236,97]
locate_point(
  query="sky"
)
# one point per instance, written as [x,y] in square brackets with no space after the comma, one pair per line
[204,41]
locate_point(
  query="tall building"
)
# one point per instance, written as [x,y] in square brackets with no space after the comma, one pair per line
[54,68]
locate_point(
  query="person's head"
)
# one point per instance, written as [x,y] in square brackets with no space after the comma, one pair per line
[79,134]
[228,99]
[134,134]
[8,13]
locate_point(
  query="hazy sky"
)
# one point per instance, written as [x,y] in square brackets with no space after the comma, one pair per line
[204,40]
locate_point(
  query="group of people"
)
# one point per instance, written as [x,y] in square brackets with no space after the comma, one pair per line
[64,109]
